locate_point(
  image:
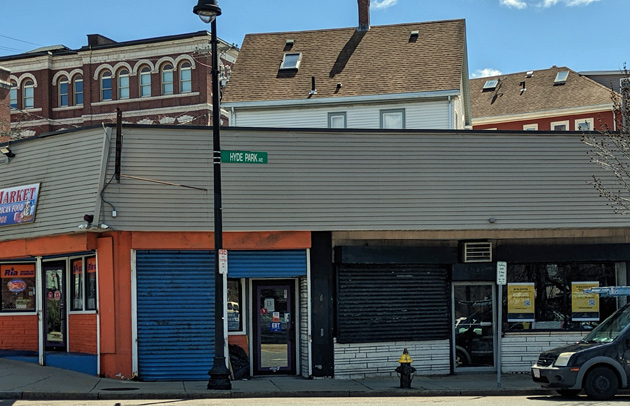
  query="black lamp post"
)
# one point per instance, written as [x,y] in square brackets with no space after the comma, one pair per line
[208,10]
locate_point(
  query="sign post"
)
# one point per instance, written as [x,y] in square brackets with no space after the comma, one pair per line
[223,261]
[501,281]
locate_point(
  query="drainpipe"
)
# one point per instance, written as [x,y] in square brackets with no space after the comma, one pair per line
[39,306]
[450,113]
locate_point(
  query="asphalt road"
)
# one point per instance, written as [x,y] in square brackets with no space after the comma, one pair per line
[349,401]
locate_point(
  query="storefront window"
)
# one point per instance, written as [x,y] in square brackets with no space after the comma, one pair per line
[90,285]
[18,287]
[83,284]
[234,305]
[545,296]
[77,284]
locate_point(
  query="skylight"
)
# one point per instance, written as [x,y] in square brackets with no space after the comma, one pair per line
[291,61]
[561,77]
[491,84]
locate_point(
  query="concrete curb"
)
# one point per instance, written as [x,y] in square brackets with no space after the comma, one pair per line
[126,394]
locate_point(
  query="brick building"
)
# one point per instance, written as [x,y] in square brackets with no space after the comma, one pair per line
[5,116]
[554,99]
[165,80]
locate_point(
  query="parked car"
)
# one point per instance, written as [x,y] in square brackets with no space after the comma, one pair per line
[473,342]
[599,364]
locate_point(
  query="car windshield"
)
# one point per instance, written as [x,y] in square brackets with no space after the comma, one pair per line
[610,328]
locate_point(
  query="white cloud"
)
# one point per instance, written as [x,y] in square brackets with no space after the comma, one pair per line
[379,4]
[484,73]
[521,4]
[572,3]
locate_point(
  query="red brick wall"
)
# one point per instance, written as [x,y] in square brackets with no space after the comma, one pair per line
[19,333]
[544,124]
[94,111]
[82,333]
[5,112]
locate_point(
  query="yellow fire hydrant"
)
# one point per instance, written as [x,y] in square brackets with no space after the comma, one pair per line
[405,370]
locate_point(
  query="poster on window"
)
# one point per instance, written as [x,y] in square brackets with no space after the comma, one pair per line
[18,204]
[584,306]
[520,302]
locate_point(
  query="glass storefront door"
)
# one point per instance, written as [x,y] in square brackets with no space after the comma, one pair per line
[473,317]
[54,305]
[274,327]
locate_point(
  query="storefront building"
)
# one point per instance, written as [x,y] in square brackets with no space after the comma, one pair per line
[342,251]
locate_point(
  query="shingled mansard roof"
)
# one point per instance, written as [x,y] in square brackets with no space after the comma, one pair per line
[392,59]
[541,94]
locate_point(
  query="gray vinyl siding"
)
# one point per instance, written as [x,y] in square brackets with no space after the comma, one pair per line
[610,81]
[68,168]
[359,180]
[426,114]
[178,157]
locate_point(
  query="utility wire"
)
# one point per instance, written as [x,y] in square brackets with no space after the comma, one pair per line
[19,40]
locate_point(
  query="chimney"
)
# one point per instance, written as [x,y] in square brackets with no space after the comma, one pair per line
[5,111]
[364,15]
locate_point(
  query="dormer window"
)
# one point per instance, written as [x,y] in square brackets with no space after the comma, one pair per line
[561,77]
[491,84]
[291,61]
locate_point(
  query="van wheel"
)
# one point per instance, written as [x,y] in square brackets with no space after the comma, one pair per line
[568,393]
[601,383]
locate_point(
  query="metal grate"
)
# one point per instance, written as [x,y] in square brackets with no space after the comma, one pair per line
[478,251]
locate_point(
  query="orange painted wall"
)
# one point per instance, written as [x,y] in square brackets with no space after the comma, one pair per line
[82,333]
[43,246]
[114,285]
[19,333]
[240,340]
[281,240]
[114,269]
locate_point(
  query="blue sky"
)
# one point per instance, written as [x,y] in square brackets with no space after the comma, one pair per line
[506,36]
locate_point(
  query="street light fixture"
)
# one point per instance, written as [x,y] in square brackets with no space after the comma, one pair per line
[208,10]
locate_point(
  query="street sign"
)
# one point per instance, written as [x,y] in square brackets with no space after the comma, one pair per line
[223,262]
[501,273]
[243,157]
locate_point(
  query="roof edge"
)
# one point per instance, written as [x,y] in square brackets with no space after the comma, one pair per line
[341,100]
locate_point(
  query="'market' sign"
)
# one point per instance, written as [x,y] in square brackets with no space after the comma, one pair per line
[18,204]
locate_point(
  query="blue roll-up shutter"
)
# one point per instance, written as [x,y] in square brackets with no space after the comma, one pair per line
[175,312]
[267,264]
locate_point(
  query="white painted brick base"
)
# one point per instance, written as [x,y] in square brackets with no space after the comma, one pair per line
[304,321]
[519,351]
[369,360]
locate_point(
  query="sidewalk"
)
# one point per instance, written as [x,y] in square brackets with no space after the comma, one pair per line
[23,380]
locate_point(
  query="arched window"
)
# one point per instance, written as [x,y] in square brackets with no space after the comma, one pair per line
[145,82]
[123,84]
[106,86]
[28,94]
[185,78]
[63,92]
[167,79]
[13,95]
[78,90]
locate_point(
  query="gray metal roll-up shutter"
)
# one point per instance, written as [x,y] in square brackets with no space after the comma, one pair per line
[267,264]
[175,314]
[392,303]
